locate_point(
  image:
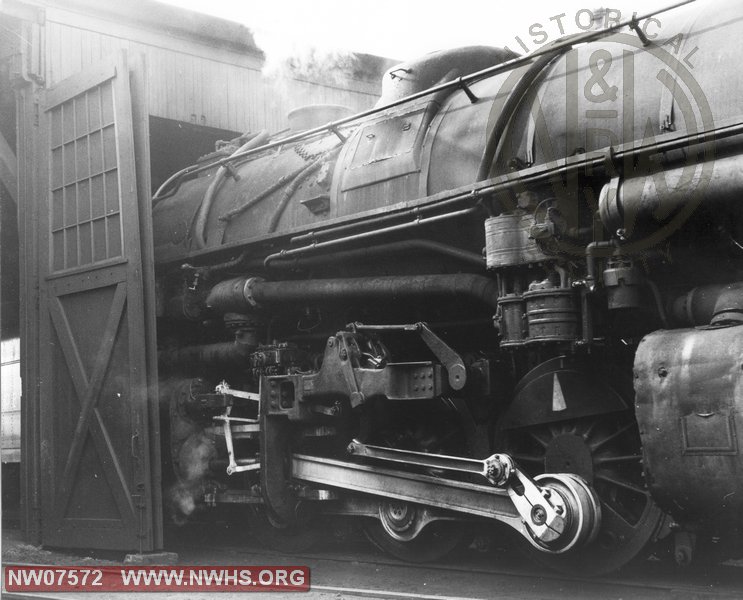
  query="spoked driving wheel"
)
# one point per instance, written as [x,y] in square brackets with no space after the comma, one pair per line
[605,451]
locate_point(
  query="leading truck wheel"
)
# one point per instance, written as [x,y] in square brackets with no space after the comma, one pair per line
[605,451]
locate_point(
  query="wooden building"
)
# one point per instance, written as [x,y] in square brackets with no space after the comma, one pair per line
[204,74]
[69,126]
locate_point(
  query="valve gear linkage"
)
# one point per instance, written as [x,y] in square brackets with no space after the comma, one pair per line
[543,512]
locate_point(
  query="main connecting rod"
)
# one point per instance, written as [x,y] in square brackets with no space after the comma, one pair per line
[557,512]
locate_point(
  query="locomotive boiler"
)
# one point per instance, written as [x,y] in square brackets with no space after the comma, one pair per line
[512,292]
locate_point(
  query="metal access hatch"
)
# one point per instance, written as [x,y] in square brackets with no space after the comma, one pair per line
[98,453]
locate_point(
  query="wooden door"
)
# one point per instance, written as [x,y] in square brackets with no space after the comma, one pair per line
[99,454]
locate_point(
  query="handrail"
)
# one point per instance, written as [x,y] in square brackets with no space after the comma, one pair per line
[456,83]
[596,161]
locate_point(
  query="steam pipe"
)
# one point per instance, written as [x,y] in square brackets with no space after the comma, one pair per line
[279,183]
[390,248]
[246,293]
[592,250]
[366,234]
[206,204]
[639,202]
[294,185]
[206,270]
[314,235]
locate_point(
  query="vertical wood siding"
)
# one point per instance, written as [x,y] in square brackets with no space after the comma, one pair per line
[186,86]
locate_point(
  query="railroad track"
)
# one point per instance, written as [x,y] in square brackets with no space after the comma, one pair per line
[357,570]
[352,568]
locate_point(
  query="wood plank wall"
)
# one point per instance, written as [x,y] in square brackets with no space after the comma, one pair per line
[192,81]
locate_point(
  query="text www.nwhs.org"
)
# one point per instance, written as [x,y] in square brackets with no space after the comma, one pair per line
[119,578]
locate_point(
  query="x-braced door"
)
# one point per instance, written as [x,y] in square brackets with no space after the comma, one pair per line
[99,456]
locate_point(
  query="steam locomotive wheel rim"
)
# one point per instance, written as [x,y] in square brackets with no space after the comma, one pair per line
[605,451]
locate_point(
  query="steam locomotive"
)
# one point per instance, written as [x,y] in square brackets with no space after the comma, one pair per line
[511,292]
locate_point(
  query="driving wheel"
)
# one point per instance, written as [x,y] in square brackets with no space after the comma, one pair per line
[605,451]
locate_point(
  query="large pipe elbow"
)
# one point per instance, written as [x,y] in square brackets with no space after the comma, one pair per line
[709,305]
[649,202]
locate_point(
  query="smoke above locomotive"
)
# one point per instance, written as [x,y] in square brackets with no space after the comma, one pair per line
[510,292]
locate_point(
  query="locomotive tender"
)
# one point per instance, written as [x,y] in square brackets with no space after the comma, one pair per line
[511,292]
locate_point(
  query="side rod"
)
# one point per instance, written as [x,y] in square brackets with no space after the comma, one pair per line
[528,512]
[495,470]
[480,500]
